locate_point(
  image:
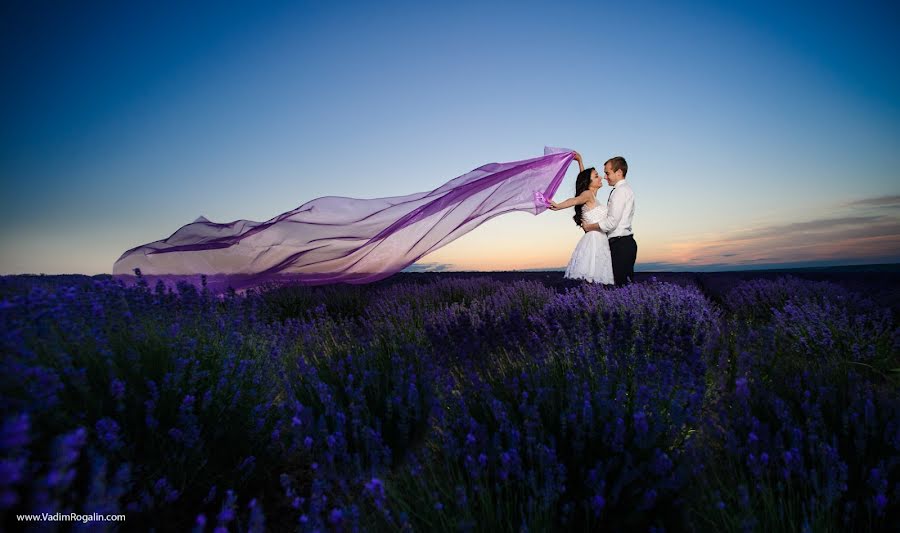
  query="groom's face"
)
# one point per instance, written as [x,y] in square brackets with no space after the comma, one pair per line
[612,177]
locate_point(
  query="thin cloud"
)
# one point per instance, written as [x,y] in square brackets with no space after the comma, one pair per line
[823,225]
[428,267]
[878,201]
[659,266]
[851,238]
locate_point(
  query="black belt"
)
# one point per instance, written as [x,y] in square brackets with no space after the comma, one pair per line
[614,239]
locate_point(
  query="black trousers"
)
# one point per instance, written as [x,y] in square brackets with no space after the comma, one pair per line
[624,253]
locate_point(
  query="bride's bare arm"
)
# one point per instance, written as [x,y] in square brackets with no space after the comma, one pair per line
[571,202]
[580,162]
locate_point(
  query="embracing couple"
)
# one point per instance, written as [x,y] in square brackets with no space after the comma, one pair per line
[607,250]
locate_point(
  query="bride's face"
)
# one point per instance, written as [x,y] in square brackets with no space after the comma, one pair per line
[596,182]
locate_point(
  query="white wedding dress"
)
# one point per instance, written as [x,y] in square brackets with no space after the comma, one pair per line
[591,259]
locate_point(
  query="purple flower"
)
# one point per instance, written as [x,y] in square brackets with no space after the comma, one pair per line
[876,479]
[649,498]
[248,463]
[227,514]
[8,498]
[187,402]
[598,502]
[741,388]
[71,443]
[640,423]
[176,434]
[661,462]
[881,502]
[11,471]
[108,433]
[14,433]
[375,489]
[164,489]
[375,486]
[117,389]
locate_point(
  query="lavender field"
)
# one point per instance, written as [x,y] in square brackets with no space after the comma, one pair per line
[437,402]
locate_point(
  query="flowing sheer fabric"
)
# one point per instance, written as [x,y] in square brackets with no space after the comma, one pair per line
[335,239]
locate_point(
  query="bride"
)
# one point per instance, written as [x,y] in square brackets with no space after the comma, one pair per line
[591,259]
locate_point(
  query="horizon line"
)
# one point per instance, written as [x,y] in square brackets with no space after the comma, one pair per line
[703,268]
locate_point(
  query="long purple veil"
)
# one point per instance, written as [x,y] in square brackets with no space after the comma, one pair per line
[335,239]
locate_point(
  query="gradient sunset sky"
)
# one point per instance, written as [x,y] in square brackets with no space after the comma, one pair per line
[756,133]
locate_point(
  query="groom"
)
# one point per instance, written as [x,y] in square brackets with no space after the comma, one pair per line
[617,224]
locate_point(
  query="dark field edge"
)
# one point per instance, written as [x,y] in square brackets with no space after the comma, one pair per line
[879,282]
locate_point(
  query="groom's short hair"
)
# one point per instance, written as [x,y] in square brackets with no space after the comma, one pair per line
[618,163]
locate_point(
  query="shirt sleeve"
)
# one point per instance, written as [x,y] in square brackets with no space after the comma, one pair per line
[616,210]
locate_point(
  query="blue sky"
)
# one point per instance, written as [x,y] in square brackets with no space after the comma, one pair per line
[756,133]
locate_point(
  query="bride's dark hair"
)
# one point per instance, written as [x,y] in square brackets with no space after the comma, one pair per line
[582,182]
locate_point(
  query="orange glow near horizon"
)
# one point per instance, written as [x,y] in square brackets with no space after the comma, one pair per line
[547,242]
[522,241]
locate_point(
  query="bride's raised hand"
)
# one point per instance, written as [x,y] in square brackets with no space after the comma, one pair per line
[579,160]
[554,206]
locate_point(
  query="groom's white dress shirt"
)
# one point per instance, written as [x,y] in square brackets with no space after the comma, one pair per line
[620,211]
